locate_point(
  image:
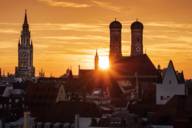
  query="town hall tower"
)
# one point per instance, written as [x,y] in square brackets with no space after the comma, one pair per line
[25,67]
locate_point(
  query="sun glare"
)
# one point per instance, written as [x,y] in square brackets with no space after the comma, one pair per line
[103,62]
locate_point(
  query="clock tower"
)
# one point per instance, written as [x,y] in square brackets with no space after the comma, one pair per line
[115,41]
[136,38]
[25,69]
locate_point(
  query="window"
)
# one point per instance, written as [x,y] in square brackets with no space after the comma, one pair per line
[138,40]
[16,100]
[161,97]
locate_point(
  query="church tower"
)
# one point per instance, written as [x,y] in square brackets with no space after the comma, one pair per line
[136,38]
[25,67]
[96,61]
[115,41]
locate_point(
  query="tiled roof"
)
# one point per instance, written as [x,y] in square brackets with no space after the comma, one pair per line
[141,65]
[42,91]
[86,72]
[179,75]
[65,111]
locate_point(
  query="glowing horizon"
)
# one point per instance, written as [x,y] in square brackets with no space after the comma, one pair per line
[104,62]
[66,33]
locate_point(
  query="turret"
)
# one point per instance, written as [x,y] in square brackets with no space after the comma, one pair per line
[115,40]
[25,67]
[136,38]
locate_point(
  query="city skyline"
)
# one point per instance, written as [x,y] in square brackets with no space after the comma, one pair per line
[61,43]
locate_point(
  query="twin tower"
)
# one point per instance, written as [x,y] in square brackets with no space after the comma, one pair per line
[115,40]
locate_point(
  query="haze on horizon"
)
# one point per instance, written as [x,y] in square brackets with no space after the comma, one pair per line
[66,33]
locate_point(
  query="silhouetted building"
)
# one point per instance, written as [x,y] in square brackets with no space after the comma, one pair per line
[25,67]
[115,41]
[176,112]
[11,102]
[173,83]
[136,38]
[135,74]
[0,73]
[96,61]
[48,101]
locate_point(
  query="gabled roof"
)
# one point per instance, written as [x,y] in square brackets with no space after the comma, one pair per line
[42,92]
[178,75]
[141,65]
[86,72]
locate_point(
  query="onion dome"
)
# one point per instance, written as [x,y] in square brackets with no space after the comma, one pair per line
[115,24]
[137,25]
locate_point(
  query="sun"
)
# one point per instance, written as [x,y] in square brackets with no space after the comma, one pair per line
[104,62]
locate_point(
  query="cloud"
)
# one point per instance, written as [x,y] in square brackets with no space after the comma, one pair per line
[8,31]
[59,3]
[86,4]
[85,37]
[169,25]
[69,26]
[7,45]
[107,5]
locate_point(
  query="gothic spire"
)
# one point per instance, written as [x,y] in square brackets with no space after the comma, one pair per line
[25,31]
[96,60]
[25,19]
[96,55]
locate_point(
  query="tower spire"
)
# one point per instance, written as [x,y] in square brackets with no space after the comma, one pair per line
[96,60]
[25,68]
[25,19]
[96,54]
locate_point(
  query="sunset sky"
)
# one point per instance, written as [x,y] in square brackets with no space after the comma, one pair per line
[66,33]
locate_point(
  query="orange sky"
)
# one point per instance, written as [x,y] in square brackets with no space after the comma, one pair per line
[66,33]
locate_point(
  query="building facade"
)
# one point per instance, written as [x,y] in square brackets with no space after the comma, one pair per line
[136,39]
[135,73]
[115,41]
[25,68]
[173,83]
